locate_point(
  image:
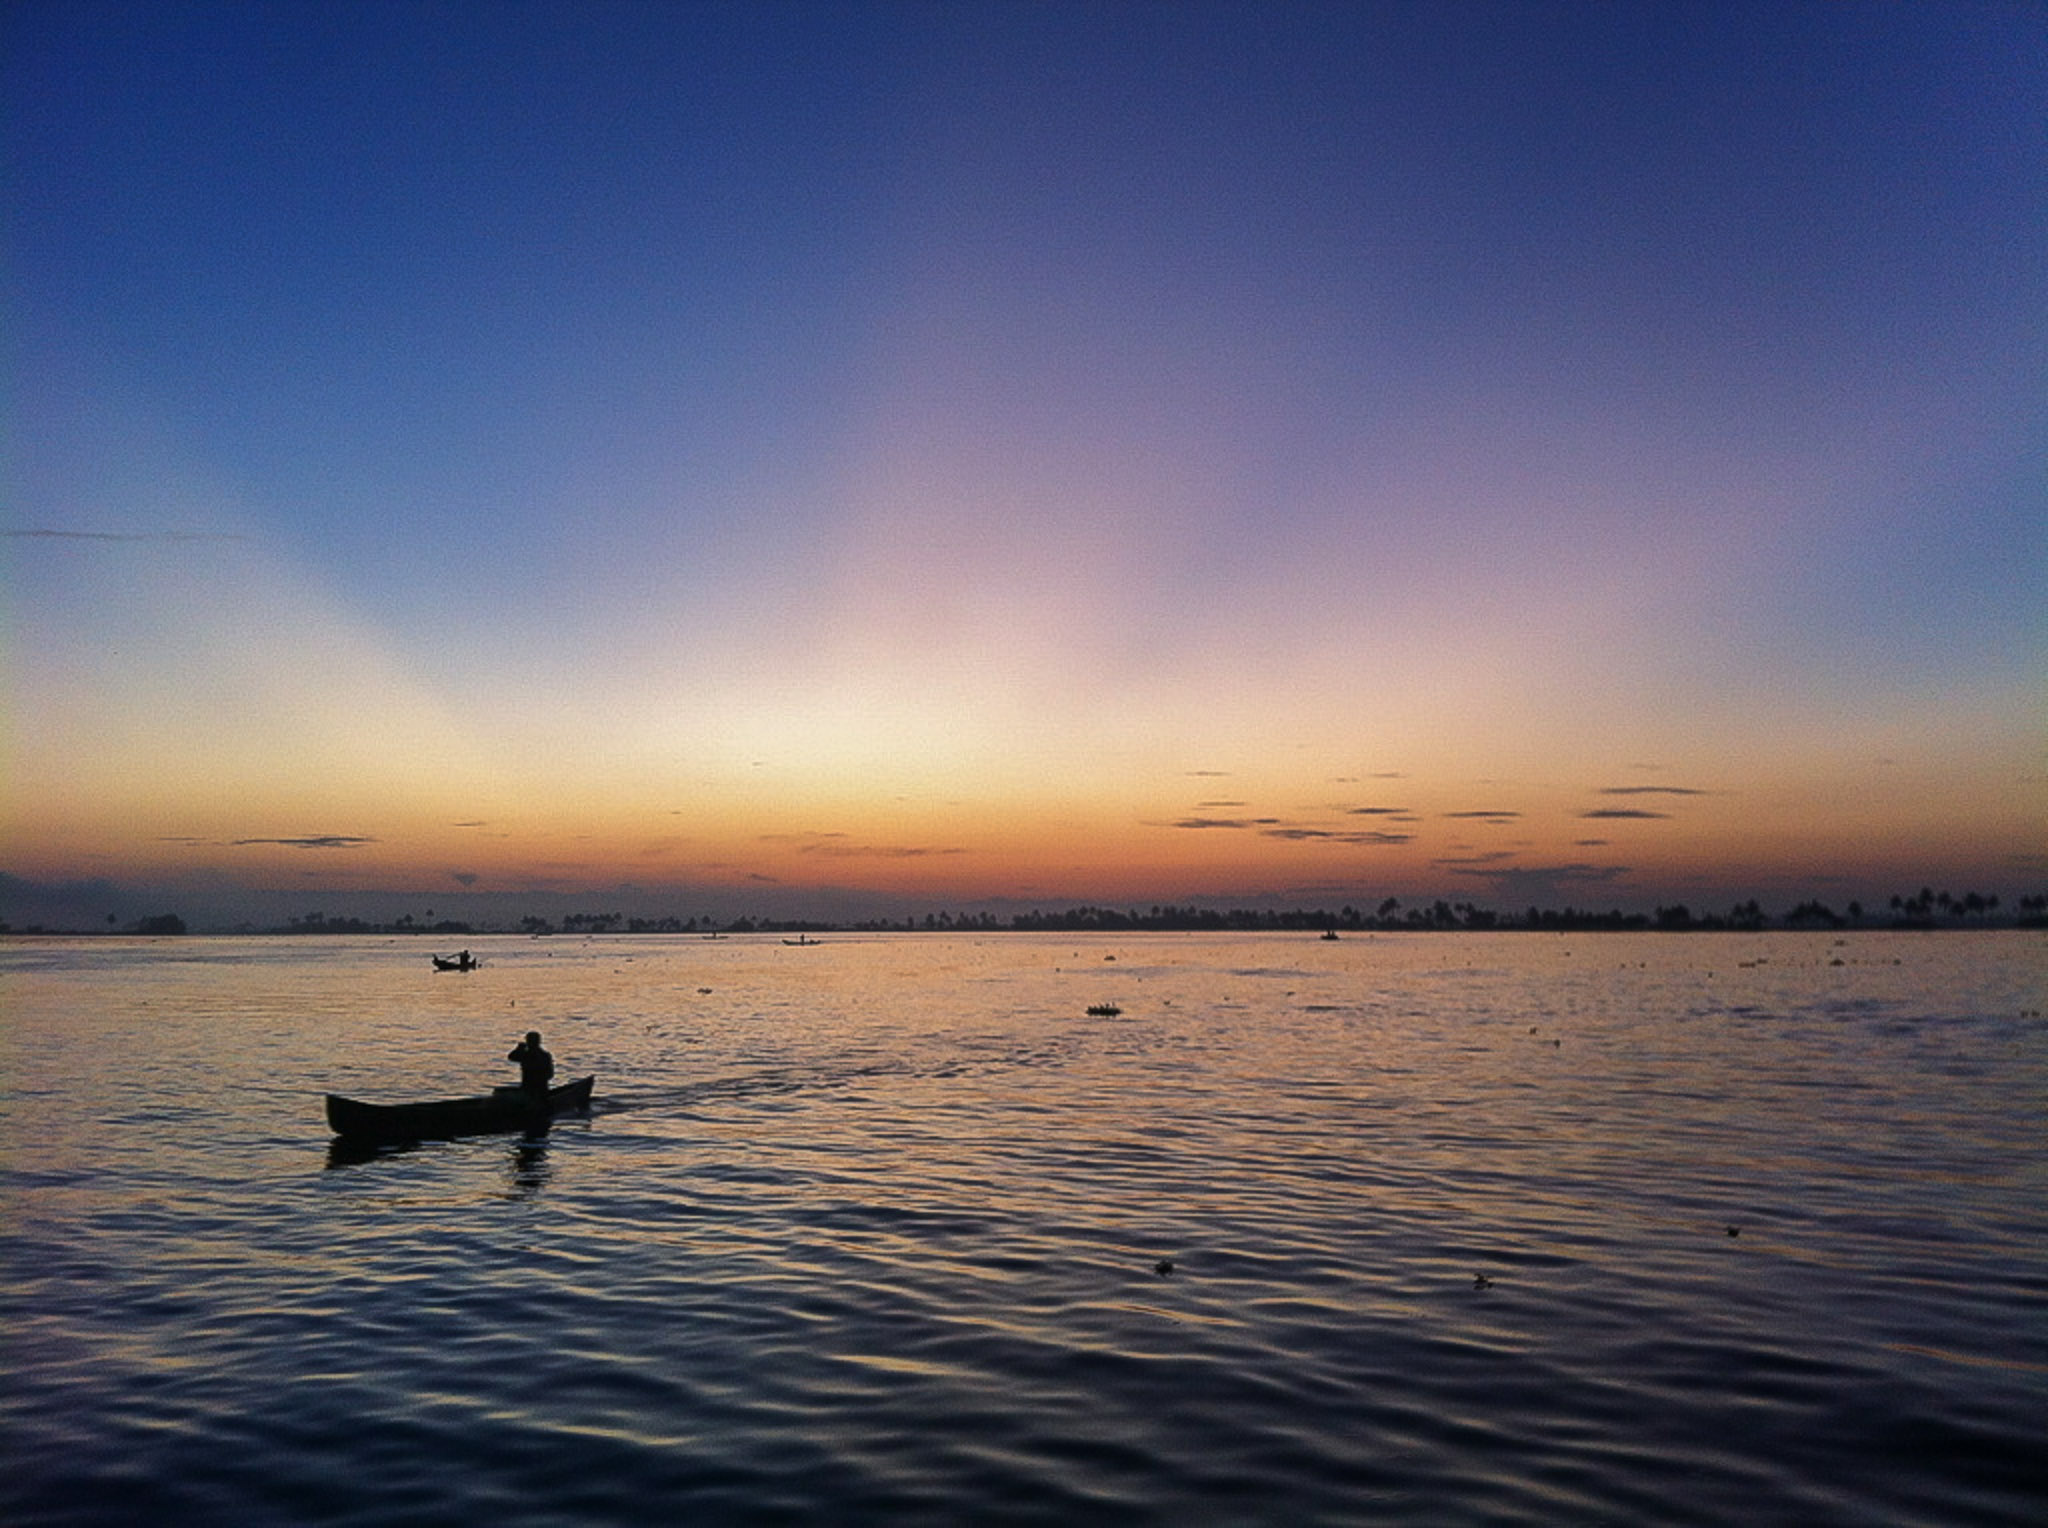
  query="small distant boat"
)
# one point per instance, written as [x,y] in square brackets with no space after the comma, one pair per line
[506,1108]
[1103,1011]
[803,939]
[1329,933]
[463,962]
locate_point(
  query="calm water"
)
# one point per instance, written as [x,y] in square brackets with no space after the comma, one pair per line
[869,1232]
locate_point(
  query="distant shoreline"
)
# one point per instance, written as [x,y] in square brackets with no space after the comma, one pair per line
[1811,917]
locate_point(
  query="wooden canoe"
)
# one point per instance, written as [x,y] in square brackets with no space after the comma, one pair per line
[506,1108]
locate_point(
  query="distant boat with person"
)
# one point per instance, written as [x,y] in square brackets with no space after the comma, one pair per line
[463,961]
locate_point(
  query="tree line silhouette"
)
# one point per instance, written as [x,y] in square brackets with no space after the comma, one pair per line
[1924,909]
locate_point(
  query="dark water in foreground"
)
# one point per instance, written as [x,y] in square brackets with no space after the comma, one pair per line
[868,1232]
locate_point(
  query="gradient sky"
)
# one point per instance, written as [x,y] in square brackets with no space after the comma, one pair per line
[902,456]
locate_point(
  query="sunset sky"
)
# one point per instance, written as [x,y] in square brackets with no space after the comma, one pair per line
[830,458]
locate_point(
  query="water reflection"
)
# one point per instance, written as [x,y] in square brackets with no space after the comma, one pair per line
[347,1151]
[528,1165]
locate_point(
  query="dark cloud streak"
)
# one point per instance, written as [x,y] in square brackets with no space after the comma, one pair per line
[1333,836]
[317,841]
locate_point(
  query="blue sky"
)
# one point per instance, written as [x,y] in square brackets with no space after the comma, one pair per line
[951,435]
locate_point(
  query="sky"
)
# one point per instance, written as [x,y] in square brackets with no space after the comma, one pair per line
[864,458]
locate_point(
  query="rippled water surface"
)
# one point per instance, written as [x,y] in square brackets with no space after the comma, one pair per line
[1399,1229]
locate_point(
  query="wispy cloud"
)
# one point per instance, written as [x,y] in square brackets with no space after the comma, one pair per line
[311,841]
[1362,839]
[1630,813]
[1650,790]
[1295,832]
[1486,816]
[142,537]
[843,846]
[316,841]
[1400,814]
[895,851]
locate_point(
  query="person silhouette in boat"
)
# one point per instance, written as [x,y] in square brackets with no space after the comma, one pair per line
[536,1066]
